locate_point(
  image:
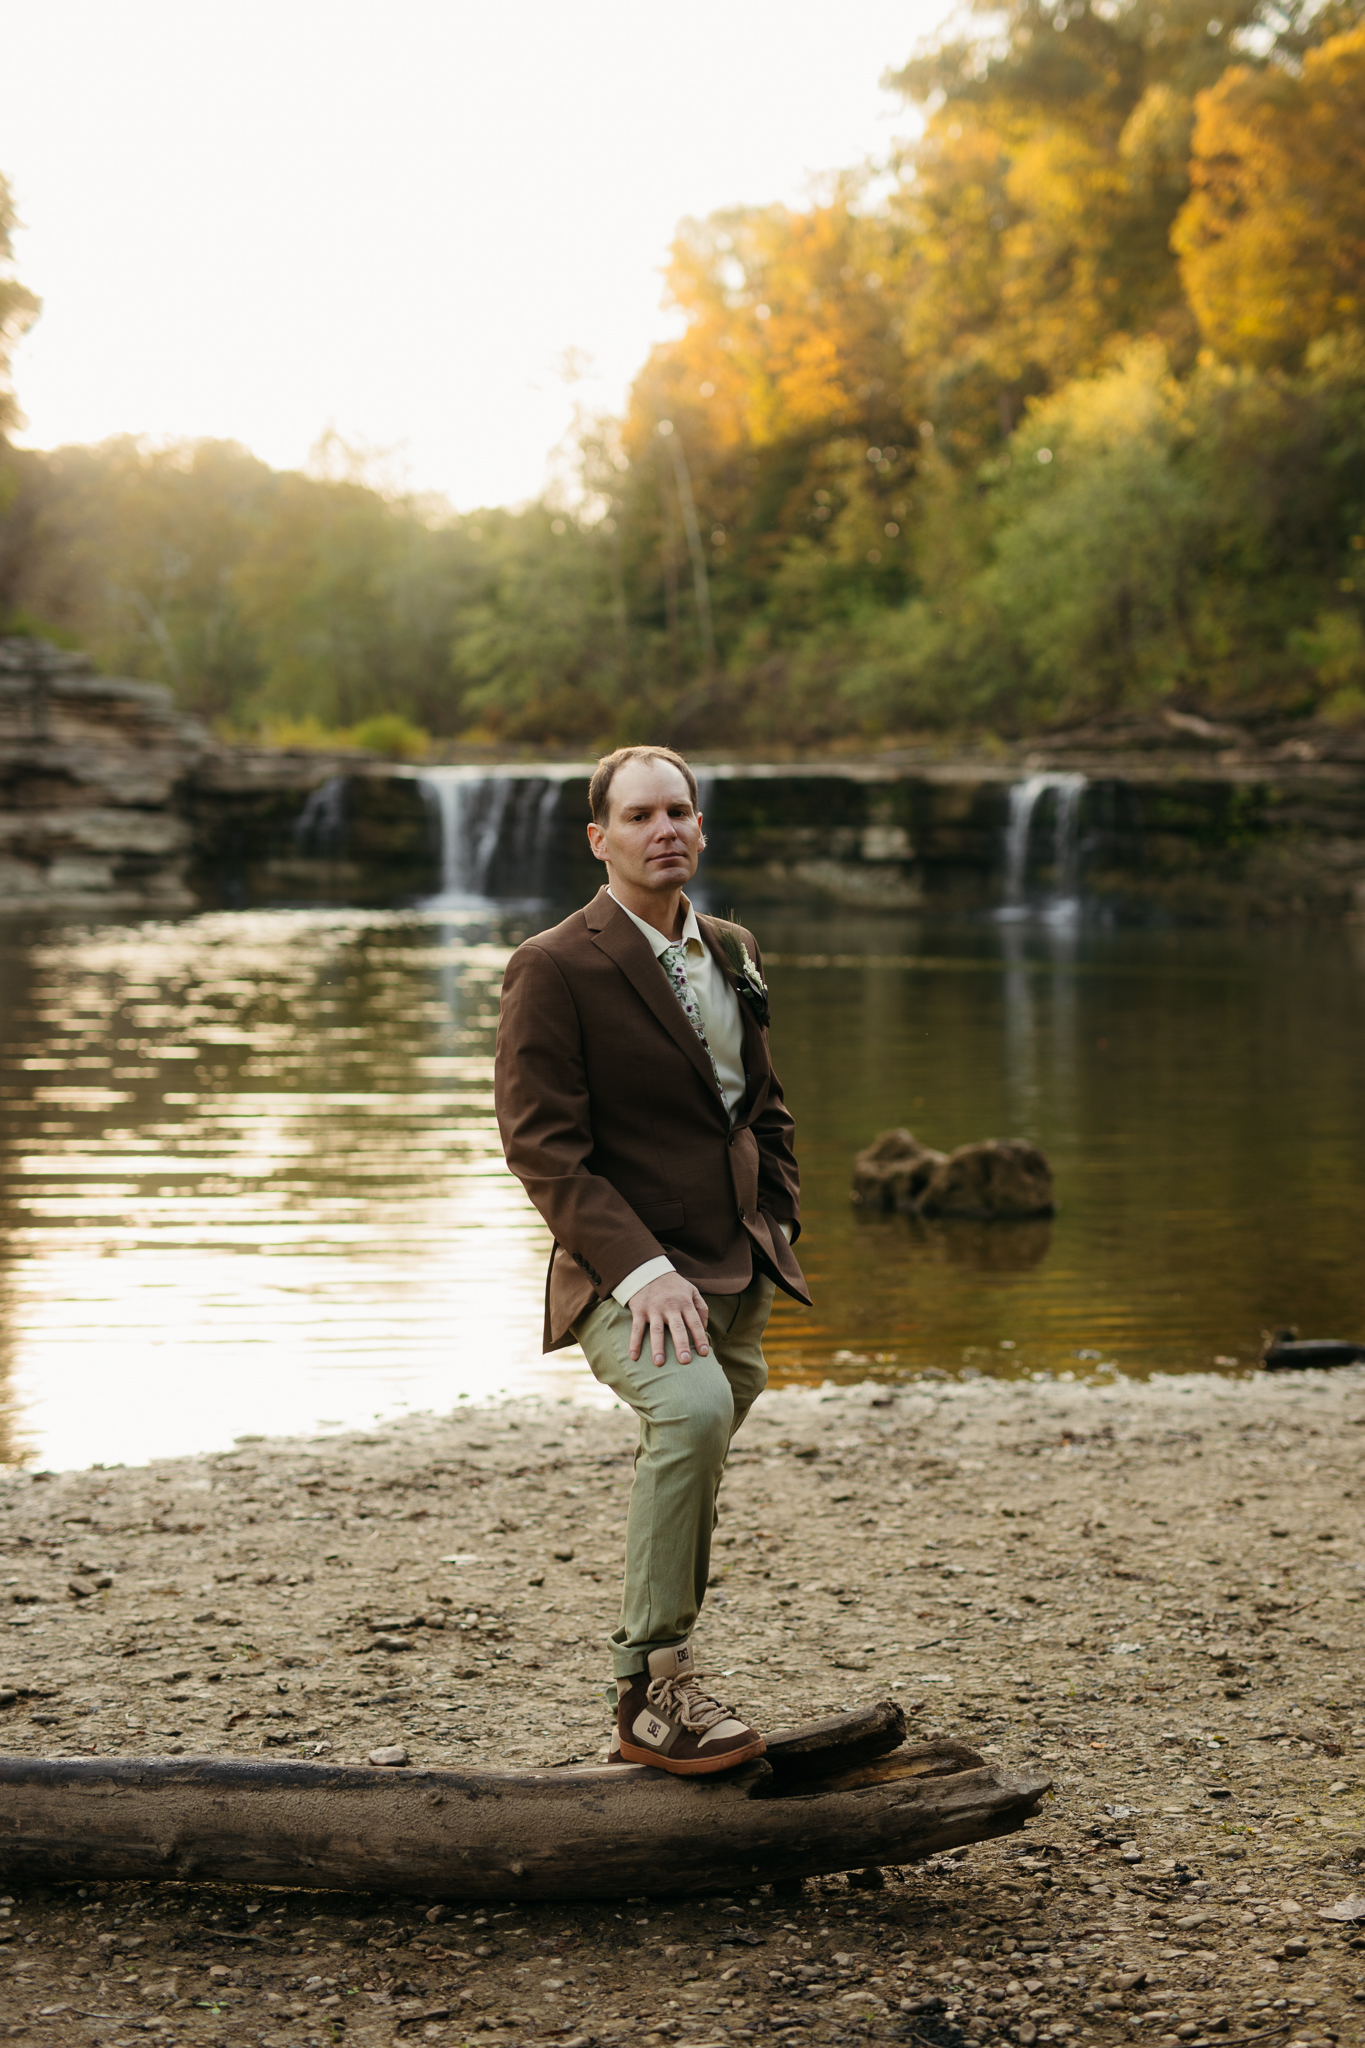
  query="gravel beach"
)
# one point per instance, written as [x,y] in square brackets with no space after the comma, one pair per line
[1149,1590]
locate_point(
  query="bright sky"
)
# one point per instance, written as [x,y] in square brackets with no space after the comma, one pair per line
[262,219]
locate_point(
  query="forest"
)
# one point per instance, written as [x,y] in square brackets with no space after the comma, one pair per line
[1058,414]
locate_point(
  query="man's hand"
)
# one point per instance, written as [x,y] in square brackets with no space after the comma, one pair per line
[668,1304]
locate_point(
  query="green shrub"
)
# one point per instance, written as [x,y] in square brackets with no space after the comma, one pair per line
[392,735]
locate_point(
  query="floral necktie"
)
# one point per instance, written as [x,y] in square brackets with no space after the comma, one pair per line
[671,960]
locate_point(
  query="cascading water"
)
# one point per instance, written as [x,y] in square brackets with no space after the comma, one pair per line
[1067,790]
[496,829]
[320,827]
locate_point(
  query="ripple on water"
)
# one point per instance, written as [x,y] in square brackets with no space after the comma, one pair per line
[250,1176]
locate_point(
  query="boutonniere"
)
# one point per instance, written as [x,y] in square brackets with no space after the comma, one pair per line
[750,986]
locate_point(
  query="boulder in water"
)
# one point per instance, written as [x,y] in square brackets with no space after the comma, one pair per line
[894,1171]
[1004,1177]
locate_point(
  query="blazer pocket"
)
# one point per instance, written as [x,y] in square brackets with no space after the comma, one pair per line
[659,1216]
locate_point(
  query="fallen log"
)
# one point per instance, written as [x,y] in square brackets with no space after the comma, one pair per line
[1286,1351]
[594,1833]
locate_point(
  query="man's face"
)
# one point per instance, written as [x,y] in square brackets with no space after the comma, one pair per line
[652,838]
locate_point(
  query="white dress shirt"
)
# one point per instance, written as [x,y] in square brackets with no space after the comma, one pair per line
[720,1015]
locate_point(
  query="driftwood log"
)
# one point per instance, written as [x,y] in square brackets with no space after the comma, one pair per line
[828,1797]
[1286,1351]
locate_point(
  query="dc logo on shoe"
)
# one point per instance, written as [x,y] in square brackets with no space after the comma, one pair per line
[655,1729]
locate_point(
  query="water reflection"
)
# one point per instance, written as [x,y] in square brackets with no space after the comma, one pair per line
[1039,1011]
[252,1181]
[1014,1246]
[1201,1095]
[250,1177]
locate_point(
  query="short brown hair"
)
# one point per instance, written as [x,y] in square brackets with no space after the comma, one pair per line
[599,789]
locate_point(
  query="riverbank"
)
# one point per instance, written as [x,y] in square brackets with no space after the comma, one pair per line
[1150,1590]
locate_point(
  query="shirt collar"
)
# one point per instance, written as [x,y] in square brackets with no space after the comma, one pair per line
[691,931]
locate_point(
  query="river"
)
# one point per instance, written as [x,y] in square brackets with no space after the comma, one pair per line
[250,1179]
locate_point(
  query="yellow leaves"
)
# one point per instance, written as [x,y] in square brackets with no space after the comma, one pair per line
[1037,246]
[1272,238]
[787,324]
[1155,142]
[1136,401]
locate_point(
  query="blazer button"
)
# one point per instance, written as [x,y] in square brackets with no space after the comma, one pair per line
[741,1216]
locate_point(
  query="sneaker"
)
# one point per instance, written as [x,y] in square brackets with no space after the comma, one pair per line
[665,1718]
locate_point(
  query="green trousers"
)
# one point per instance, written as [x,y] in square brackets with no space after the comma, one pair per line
[688,1414]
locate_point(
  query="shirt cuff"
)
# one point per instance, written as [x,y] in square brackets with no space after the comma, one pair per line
[786,1230]
[652,1269]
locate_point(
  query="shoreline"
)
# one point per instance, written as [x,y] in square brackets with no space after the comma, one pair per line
[1087,1578]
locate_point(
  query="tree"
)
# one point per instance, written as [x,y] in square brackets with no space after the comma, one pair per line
[18,308]
[1272,238]
[1039,201]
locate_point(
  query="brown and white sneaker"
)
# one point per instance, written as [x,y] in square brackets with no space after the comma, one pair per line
[664,1717]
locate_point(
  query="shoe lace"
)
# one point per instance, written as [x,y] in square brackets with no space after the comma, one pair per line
[684,1700]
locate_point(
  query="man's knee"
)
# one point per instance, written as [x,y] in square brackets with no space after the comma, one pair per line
[704,1420]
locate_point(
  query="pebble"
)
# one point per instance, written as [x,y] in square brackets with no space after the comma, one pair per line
[394,1754]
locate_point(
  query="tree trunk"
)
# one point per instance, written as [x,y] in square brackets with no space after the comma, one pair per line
[558,1834]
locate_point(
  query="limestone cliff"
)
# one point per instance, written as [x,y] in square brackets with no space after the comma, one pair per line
[92,774]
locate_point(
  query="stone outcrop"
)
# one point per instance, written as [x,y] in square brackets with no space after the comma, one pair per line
[1001,1178]
[291,825]
[894,1171]
[92,773]
[110,797]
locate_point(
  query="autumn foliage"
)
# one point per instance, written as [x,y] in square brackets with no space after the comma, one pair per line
[1059,410]
[1272,238]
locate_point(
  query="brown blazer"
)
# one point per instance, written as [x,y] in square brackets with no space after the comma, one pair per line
[612,1121]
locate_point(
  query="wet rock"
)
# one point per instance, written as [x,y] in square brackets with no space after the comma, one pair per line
[1003,1177]
[893,1171]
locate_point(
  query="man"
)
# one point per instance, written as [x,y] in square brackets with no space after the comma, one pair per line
[639,1109]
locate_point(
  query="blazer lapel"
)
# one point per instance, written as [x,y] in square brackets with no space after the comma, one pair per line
[613,931]
[757,1061]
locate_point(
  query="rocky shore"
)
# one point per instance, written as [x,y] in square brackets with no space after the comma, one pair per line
[1149,1590]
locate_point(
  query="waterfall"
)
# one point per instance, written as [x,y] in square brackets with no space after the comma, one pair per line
[496,829]
[320,827]
[1025,797]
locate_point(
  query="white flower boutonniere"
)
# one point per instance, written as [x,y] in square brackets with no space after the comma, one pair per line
[749,984]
